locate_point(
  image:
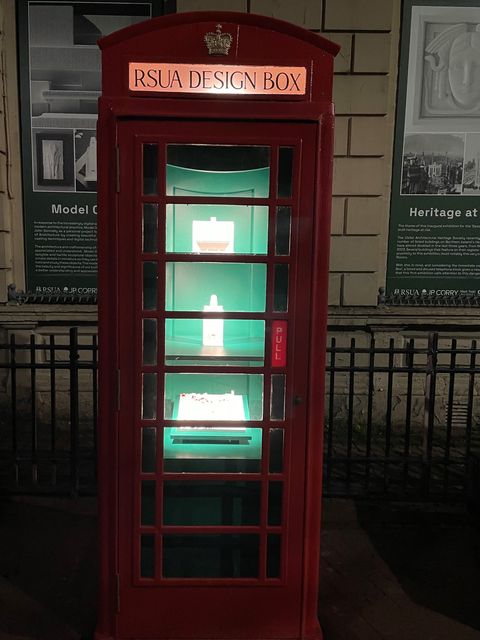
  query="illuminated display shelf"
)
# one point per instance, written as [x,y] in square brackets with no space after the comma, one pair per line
[199,442]
[249,228]
[179,351]
[206,444]
[239,287]
[210,435]
[247,385]
[243,343]
[249,183]
[234,287]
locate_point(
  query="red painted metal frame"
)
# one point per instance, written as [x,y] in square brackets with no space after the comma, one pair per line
[258,39]
[253,133]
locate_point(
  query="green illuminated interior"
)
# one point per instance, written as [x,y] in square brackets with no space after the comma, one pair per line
[243,343]
[238,286]
[215,171]
[252,183]
[227,451]
[250,225]
[247,386]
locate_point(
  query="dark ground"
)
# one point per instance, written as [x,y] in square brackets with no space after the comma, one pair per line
[387,571]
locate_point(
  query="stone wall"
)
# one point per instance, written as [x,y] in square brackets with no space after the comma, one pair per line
[11,224]
[364,96]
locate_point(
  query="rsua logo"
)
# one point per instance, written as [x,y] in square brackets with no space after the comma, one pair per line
[47,290]
[406,292]
[82,291]
[424,292]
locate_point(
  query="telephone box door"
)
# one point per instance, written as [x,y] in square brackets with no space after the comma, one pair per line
[215,275]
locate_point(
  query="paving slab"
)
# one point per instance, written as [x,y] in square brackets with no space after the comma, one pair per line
[379,581]
[360,596]
[23,618]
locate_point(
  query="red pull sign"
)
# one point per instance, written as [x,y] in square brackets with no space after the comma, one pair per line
[279,343]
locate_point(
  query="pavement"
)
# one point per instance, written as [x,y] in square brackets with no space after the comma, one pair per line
[387,571]
[399,573]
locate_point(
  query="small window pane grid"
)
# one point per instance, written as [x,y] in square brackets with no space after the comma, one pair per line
[235,526]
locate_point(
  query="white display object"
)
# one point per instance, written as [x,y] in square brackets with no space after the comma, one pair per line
[211,406]
[212,236]
[213,329]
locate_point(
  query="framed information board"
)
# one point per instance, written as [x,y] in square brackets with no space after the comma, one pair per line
[434,238]
[60,83]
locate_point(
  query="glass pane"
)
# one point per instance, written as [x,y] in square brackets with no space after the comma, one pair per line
[274,545]
[285,167]
[150,280]
[211,503]
[149,450]
[276,451]
[220,397]
[150,169]
[150,228]
[149,341]
[275,491]
[207,228]
[210,556]
[238,343]
[280,296]
[212,449]
[149,396]
[147,556]
[218,171]
[203,285]
[277,397]
[283,223]
[147,517]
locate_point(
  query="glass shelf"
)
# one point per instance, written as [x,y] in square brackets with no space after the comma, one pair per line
[242,343]
[212,449]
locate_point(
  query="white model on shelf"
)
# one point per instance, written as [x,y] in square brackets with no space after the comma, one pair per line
[212,236]
[211,406]
[213,329]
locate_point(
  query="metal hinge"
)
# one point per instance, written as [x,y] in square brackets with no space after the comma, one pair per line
[117,592]
[118,382]
[117,160]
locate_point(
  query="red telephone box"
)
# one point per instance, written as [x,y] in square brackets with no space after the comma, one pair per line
[215,143]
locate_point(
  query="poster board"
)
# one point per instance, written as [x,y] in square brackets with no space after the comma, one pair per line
[60,82]
[434,239]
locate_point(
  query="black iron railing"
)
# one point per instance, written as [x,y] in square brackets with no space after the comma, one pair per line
[48,414]
[402,415]
[403,418]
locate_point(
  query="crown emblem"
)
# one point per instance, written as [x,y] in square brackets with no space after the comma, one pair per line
[218,43]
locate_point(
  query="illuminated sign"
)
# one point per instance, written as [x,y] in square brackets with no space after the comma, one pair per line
[216,78]
[279,343]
